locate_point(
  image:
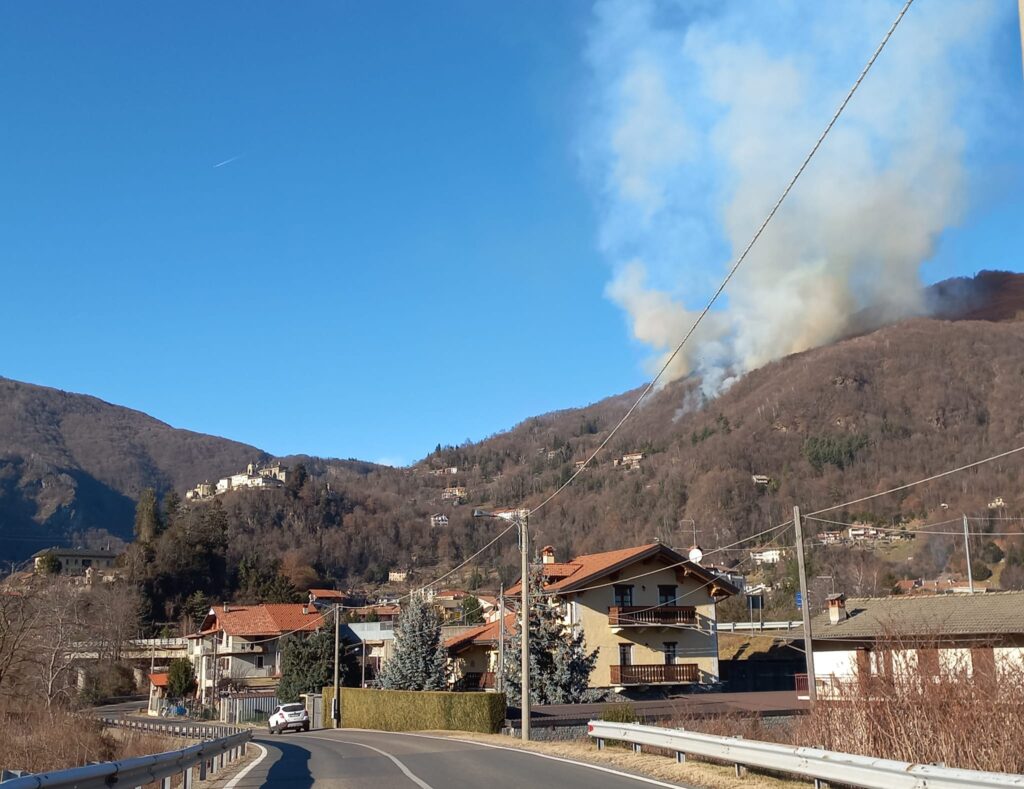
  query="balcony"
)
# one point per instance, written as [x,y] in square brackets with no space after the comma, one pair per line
[657,674]
[651,616]
[475,680]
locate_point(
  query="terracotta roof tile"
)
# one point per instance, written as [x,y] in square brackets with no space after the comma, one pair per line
[484,634]
[268,619]
[159,680]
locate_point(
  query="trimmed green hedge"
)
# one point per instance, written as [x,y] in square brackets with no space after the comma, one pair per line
[417,710]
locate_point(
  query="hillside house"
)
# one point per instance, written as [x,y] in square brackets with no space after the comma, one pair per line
[456,493]
[630,461]
[398,576]
[327,598]
[273,476]
[204,490]
[76,561]
[438,521]
[648,611]
[239,646]
[761,480]
[860,638]
[766,556]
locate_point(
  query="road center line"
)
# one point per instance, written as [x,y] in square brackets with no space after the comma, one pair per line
[405,770]
[248,768]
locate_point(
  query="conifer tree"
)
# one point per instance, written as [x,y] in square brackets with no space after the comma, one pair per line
[147,517]
[419,661]
[560,666]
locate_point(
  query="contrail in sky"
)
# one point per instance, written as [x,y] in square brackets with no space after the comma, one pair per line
[228,161]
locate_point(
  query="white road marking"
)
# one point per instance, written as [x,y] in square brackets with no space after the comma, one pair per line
[248,768]
[405,770]
[640,778]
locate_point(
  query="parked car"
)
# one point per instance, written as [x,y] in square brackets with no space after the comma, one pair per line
[288,716]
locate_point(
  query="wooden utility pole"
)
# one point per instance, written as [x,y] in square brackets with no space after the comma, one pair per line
[336,701]
[524,640]
[499,681]
[812,689]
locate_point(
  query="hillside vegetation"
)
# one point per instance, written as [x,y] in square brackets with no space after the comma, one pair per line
[828,425]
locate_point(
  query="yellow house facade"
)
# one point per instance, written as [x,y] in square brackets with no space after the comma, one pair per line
[649,612]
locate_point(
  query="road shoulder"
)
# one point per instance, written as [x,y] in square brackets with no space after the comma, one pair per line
[692,773]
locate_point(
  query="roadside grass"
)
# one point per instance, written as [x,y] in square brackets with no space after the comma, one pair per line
[663,766]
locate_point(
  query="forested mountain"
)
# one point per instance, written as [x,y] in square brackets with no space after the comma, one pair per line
[865,414]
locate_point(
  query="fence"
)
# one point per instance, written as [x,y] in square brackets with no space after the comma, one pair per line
[248,707]
[196,761]
[812,763]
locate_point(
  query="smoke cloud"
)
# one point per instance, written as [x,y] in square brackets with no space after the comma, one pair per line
[700,114]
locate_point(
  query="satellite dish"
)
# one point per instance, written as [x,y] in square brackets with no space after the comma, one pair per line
[696,554]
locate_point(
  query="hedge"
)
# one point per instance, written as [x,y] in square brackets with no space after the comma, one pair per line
[417,710]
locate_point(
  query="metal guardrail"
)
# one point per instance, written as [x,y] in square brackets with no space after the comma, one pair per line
[194,762]
[757,627]
[202,731]
[844,769]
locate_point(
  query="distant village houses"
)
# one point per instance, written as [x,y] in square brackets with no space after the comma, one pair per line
[629,461]
[438,521]
[74,561]
[456,493]
[766,556]
[272,476]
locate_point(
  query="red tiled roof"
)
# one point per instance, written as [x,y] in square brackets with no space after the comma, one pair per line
[159,680]
[593,566]
[484,634]
[268,619]
[328,594]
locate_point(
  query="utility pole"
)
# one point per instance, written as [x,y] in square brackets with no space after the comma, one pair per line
[336,702]
[812,690]
[524,640]
[499,682]
[967,550]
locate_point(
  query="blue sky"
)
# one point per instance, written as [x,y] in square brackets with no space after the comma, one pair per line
[407,249]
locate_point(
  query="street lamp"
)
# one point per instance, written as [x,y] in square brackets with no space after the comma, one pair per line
[521,521]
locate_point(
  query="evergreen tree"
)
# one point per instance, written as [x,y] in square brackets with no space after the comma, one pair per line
[419,661]
[560,667]
[181,679]
[172,503]
[197,606]
[472,611]
[307,664]
[49,564]
[147,517]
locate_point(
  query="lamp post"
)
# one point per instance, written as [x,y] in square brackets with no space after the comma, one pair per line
[522,522]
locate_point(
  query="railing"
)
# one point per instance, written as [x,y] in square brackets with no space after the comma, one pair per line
[732,627]
[476,680]
[843,769]
[631,615]
[199,731]
[655,674]
[190,763]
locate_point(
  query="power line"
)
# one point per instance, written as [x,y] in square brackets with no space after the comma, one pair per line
[926,529]
[918,482]
[739,261]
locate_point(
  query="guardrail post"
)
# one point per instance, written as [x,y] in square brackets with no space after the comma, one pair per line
[740,770]
[820,784]
[680,757]
[165,783]
[600,743]
[186,778]
[202,769]
[636,747]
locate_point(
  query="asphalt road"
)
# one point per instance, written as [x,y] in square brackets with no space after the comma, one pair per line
[356,759]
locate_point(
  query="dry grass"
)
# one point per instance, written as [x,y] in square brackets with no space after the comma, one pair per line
[39,740]
[692,773]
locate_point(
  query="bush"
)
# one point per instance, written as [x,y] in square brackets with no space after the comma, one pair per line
[417,710]
[620,713]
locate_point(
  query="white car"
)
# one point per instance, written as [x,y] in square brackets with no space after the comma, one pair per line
[288,716]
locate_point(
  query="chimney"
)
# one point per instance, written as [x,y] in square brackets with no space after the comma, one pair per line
[836,608]
[225,607]
[547,554]
[305,609]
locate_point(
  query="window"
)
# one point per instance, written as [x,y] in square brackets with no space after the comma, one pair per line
[623,595]
[667,595]
[259,661]
[625,654]
[928,662]
[670,653]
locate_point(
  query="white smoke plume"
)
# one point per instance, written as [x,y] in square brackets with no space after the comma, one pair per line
[701,113]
